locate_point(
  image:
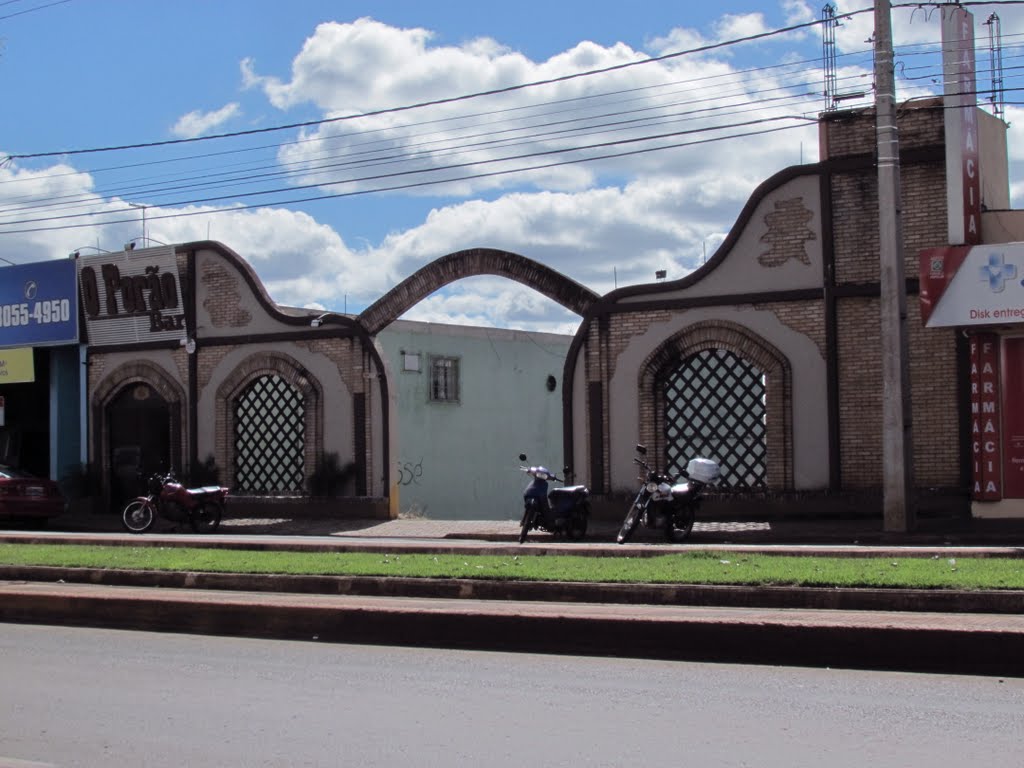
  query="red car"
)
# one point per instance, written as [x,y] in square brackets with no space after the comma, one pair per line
[27,497]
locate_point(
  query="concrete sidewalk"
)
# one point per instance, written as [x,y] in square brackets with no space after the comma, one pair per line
[853,531]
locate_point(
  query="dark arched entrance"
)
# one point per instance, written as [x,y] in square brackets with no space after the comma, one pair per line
[139,420]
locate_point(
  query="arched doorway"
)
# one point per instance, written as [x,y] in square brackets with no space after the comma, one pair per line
[139,423]
[452,387]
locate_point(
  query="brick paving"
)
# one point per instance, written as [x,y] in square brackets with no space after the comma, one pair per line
[797,532]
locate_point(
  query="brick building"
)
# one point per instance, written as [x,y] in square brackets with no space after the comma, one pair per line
[767,358]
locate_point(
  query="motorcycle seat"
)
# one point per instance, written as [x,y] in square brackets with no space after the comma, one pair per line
[206,490]
[568,490]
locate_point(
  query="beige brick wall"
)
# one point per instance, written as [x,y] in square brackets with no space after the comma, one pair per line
[932,352]
[934,405]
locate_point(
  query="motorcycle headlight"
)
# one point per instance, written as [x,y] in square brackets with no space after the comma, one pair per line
[652,487]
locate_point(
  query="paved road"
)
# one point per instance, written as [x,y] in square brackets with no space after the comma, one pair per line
[94,697]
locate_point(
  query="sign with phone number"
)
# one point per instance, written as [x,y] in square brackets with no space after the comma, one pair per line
[53,311]
[38,304]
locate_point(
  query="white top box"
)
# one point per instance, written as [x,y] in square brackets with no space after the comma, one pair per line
[703,470]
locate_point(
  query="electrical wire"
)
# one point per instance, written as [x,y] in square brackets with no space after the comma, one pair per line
[492,131]
[438,102]
[419,148]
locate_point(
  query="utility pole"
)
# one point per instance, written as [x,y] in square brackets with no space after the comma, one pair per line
[897,435]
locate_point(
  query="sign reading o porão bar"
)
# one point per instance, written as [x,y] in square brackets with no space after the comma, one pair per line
[38,305]
[132,296]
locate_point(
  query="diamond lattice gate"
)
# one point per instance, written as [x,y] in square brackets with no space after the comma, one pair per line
[270,437]
[715,408]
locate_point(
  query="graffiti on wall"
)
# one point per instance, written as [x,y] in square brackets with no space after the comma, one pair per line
[409,473]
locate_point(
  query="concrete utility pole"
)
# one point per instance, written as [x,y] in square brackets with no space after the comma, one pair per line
[897,442]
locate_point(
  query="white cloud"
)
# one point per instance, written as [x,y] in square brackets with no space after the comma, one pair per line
[737,26]
[798,12]
[611,121]
[198,123]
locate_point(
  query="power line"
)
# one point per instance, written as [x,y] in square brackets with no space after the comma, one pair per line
[491,130]
[31,10]
[435,102]
[553,130]
[414,185]
[451,143]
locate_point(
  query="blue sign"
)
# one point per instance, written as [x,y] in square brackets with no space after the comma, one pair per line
[39,304]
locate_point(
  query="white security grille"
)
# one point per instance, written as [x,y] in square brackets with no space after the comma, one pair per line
[270,437]
[715,408]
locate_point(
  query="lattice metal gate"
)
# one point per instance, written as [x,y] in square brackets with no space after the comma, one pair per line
[715,407]
[270,437]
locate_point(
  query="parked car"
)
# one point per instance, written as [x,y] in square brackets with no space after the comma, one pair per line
[25,497]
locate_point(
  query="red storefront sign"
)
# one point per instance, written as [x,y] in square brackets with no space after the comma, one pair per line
[986,483]
[1013,417]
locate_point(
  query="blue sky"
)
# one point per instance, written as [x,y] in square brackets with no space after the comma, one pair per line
[98,73]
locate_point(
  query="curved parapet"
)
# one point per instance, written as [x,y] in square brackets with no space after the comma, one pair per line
[469,263]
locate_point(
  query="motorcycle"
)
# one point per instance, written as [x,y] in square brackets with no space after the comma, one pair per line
[563,510]
[202,508]
[664,502]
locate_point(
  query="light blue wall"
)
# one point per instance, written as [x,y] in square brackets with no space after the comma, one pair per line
[461,460]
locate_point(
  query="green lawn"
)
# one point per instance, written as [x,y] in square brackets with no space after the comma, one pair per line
[688,568]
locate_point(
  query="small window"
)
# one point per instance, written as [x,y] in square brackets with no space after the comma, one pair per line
[411,361]
[444,379]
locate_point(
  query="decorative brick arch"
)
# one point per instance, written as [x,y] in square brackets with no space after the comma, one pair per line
[250,369]
[468,263]
[111,385]
[717,334]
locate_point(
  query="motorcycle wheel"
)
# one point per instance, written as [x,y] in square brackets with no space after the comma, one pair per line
[206,519]
[680,523]
[630,523]
[529,516]
[138,517]
[578,524]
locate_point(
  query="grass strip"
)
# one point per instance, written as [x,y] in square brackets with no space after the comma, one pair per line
[683,568]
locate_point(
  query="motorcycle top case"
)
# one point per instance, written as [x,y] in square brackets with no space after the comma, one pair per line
[703,470]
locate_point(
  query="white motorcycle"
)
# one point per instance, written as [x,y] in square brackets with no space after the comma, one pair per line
[665,502]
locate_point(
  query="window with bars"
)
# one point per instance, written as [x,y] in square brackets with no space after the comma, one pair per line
[444,379]
[270,443]
[715,407]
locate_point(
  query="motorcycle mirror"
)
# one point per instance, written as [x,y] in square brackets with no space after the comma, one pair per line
[641,449]
[522,457]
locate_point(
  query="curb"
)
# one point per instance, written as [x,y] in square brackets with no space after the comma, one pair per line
[487,546]
[842,639]
[1009,602]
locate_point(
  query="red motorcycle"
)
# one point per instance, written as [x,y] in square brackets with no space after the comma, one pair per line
[202,508]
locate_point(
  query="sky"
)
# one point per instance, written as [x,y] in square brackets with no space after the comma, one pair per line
[340,146]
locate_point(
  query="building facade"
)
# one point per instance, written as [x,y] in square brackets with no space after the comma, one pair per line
[468,401]
[766,359]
